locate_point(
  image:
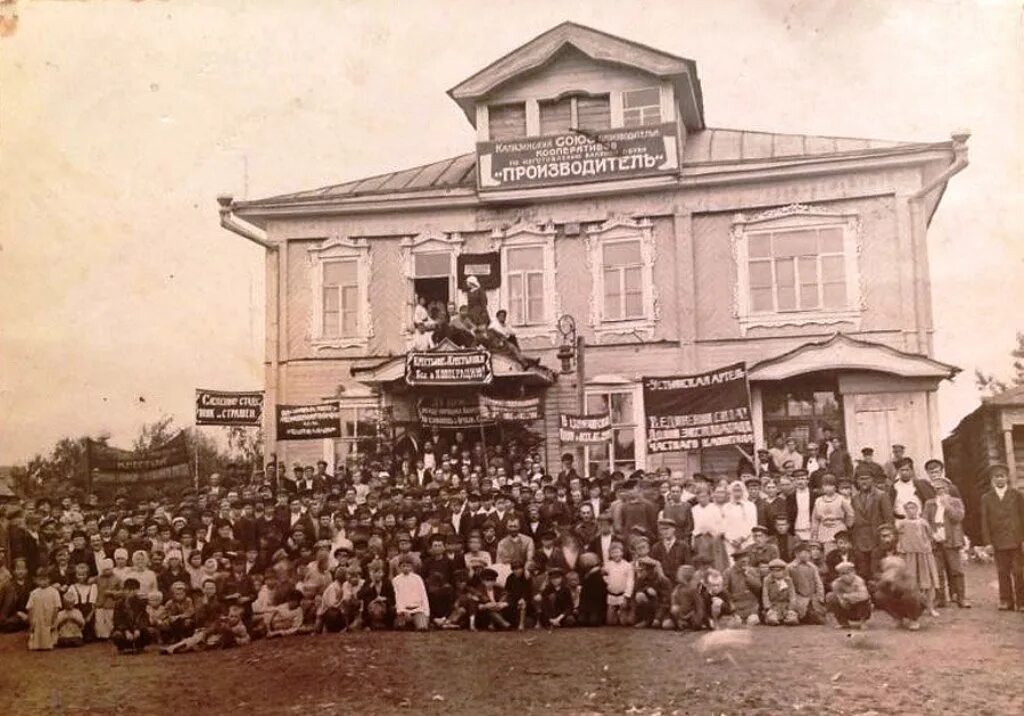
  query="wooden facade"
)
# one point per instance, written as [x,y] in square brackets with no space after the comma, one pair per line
[852,345]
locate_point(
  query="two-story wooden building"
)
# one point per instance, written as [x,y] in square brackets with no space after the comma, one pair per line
[596,190]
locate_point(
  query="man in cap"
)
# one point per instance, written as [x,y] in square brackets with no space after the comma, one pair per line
[908,488]
[890,467]
[601,545]
[800,505]
[867,459]
[1002,528]
[945,515]
[670,551]
[871,509]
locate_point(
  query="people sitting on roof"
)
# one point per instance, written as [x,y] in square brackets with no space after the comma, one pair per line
[500,327]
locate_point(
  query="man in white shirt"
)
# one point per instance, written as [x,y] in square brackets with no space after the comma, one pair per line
[801,503]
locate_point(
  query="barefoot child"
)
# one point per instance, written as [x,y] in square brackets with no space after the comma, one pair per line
[914,546]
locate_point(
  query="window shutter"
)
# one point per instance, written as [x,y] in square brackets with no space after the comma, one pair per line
[554,116]
[594,113]
[507,121]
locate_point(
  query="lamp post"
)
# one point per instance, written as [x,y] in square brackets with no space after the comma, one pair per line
[573,348]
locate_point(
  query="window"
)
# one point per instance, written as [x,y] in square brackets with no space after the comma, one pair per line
[528,291]
[797,265]
[555,116]
[341,311]
[506,121]
[641,107]
[525,276]
[623,280]
[623,301]
[593,113]
[341,299]
[358,433]
[797,270]
[620,452]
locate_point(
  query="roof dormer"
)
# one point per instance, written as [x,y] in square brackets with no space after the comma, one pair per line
[575,105]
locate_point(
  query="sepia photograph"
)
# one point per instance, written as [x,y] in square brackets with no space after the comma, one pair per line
[639,357]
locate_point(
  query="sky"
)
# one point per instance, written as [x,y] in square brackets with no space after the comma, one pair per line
[120,123]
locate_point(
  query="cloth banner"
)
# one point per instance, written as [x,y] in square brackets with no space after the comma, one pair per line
[691,412]
[450,367]
[449,412]
[486,267]
[524,410]
[113,466]
[218,407]
[309,422]
[584,428]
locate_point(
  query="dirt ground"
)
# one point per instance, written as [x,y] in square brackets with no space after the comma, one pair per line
[964,662]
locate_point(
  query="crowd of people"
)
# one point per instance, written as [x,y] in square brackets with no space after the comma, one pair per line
[459,536]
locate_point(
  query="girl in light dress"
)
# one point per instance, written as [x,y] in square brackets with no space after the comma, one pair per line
[914,545]
[44,603]
[832,514]
[740,516]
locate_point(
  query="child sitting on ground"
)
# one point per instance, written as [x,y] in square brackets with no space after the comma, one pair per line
[897,593]
[848,600]
[743,585]
[412,606]
[286,619]
[70,624]
[130,621]
[491,604]
[716,603]
[518,589]
[779,596]
[556,606]
[652,595]
[687,607]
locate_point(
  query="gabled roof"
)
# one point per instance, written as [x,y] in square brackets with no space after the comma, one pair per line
[1013,396]
[706,151]
[842,352]
[599,46]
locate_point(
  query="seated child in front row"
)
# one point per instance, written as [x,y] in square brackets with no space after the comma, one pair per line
[849,600]
[687,607]
[224,632]
[779,596]
[70,624]
[131,622]
[593,606]
[556,603]
[897,593]
[652,595]
[743,585]
[716,603]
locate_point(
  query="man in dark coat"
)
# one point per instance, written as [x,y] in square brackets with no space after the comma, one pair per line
[1002,527]
[908,488]
[872,508]
[670,551]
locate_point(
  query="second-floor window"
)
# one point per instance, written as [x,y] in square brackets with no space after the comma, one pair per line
[340,299]
[506,121]
[797,270]
[641,107]
[623,267]
[525,276]
[555,116]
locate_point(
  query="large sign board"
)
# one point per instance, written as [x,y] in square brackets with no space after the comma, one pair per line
[442,412]
[584,429]
[114,460]
[690,412]
[309,422]
[450,367]
[577,157]
[218,407]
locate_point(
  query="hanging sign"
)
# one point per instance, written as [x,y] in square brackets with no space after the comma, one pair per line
[309,422]
[218,407]
[584,428]
[578,157]
[486,267]
[524,410]
[691,412]
[113,460]
[438,412]
[449,367]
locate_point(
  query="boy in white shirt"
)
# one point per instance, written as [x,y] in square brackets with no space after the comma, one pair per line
[412,609]
[618,577]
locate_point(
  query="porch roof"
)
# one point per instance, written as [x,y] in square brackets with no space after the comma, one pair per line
[843,352]
[502,367]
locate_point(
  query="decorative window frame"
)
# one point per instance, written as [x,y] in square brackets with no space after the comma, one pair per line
[335,249]
[429,242]
[524,235]
[798,216]
[620,230]
[614,383]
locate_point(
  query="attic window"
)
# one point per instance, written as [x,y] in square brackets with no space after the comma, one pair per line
[555,116]
[641,107]
[507,121]
[593,113]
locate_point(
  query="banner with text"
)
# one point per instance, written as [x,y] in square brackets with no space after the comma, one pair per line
[523,410]
[586,429]
[486,267]
[113,465]
[309,422]
[454,367]
[438,412]
[218,407]
[691,412]
[577,157]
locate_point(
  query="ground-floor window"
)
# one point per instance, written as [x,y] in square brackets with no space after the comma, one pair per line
[620,453]
[358,433]
[802,408]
